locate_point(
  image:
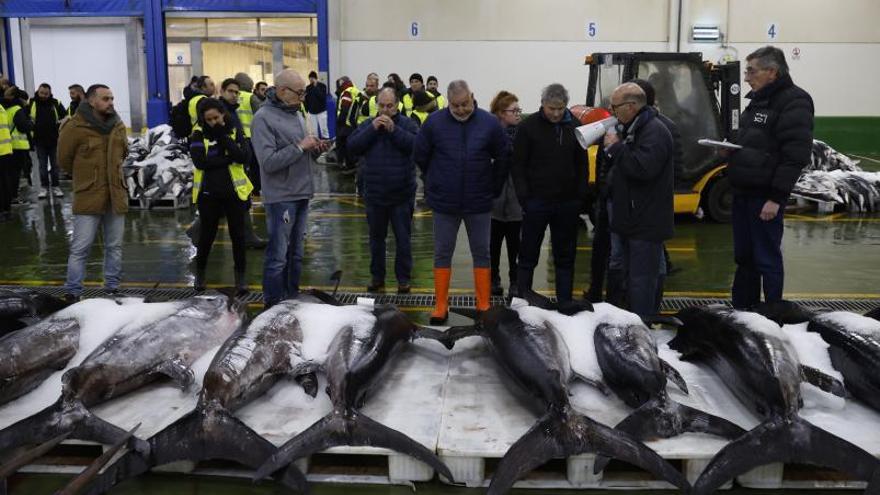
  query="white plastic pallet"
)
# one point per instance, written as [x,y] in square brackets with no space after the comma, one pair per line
[822,207]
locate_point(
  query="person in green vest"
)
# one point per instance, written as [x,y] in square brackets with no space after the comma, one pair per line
[346,93]
[416,84]
[424,104]
[220,186]
[47,112]
[6,167]
[204,88]
[432,87]
[20,125]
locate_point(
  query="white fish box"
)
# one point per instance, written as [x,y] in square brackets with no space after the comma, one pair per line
[165,203]
[822,207]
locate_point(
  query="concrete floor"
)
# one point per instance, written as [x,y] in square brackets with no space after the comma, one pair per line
[826,255]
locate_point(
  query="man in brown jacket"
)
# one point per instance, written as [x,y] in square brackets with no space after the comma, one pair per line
[91,147]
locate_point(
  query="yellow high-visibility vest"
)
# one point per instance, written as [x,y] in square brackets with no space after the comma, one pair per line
[374,107]
[19,139]
[245,112]
[5,136]
[193,110]
[240,181]
[353,91]
[33,111]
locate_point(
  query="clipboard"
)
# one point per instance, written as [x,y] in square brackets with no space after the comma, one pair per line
[718,144]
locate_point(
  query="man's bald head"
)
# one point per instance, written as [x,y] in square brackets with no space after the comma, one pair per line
[290,87]
[626,101]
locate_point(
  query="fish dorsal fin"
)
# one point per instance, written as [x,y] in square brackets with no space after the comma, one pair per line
[674,376]
[178,372]
[824,381]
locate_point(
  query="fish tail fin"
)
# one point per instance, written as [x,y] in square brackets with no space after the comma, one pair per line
[787,439]
[348,428]
[83,479]
[665,418]
[210,432]
[566,434]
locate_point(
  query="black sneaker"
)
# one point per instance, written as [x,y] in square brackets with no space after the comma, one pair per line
[71,298]
[404,288]
[376,287]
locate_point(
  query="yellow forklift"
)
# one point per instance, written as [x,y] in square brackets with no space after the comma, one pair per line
[700,97]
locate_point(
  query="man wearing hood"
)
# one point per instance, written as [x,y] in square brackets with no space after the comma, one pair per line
[47,112]
[550,178]
[91,147]
[640,156]
[286,152]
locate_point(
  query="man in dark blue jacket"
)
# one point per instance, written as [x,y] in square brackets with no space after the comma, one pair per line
[641,204]
[550,175]
[386,144]
[776,135]
[454,150]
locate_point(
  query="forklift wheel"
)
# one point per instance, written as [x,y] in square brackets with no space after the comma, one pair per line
[719,201]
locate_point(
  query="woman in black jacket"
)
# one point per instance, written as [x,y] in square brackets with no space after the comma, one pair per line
[220,185]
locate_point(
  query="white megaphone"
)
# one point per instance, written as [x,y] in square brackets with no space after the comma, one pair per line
[590,133]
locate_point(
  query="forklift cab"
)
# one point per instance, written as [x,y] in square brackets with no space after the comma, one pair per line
[703,101]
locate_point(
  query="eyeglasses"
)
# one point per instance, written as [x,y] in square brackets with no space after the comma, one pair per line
[753,70]
[297,92]
[615,107]
[515,111]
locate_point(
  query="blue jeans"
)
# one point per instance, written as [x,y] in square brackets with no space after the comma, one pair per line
[478,226]
[562,218]
[85,228]
[400,217]
[636,271]
[282,267]
[757,250]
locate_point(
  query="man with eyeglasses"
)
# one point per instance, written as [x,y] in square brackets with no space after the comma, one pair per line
[640,156]
[776,135]
[286,148]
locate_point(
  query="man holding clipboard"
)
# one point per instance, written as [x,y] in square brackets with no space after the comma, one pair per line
[774,143]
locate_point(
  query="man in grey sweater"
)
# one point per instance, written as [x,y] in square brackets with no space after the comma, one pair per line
[285,149]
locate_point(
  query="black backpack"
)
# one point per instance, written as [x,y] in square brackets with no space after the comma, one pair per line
[180,122]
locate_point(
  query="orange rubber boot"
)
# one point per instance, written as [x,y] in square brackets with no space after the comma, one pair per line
[482,287]
[441,293]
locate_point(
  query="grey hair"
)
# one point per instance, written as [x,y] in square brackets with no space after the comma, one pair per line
[770,57]
[390,91]
[554,92]
[458,86]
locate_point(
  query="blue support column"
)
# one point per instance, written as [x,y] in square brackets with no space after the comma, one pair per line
[10,61]
[157,65]
[324,62]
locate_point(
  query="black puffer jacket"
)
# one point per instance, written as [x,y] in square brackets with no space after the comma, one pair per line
[548,163]
[776,133]
[641,179]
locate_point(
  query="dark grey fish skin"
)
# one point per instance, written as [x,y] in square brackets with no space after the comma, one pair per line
[536,360]
[760,370]
[356,359]
[131,358]
[856,355]
[632,368]
[31,354]
[250,362]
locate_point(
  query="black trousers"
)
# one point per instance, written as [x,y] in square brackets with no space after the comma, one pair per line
[601,251]
[562,218]
[8,177]
[211,209]
[509,233]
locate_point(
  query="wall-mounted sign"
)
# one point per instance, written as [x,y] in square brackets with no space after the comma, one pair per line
[415,30]
[773,31]
[592,30]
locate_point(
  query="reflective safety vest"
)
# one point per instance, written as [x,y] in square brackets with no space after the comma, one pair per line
[353,93]
[70,110]
[245,112]
[240,181]
[419,117]
[193,111]
[33,111]
[441,102]
[19,139]
[409,106]
[366,104]
[5,136]
[373,107]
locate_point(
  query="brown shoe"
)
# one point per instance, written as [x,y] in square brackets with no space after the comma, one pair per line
[403,288]
[377,286]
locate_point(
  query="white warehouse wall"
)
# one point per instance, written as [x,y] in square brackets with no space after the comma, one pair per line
[521,45]
[65,55]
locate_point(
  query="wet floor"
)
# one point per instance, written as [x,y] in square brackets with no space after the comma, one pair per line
[826,255]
